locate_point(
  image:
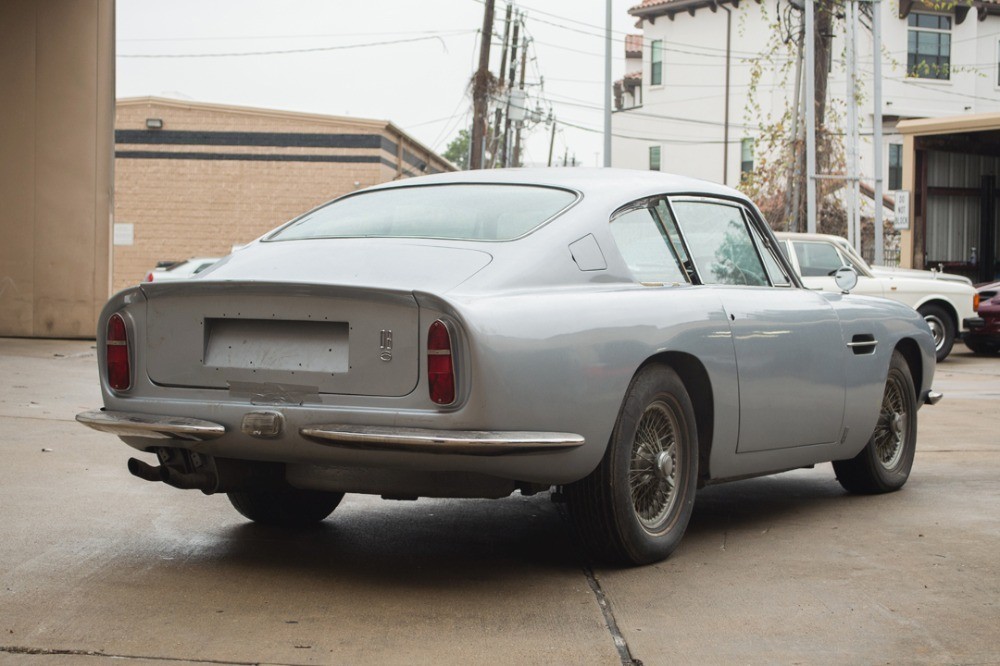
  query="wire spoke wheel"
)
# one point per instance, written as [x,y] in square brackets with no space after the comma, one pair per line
[634,507]
[885,462]
[652,475]
[891,430]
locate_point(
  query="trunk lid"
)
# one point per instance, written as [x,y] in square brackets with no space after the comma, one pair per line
[282,339]
[300,318]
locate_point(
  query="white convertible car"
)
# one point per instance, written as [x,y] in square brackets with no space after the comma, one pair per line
[947,302]
[621,336]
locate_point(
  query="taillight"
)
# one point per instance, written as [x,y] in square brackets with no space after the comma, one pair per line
[149,276]
[119,372]
[975,302]
[440,368]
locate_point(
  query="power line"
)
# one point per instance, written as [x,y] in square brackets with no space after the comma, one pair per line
[293,36]
[438,37]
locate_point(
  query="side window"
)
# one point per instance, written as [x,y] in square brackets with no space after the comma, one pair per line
[645,247]
[817,259]
[720,243]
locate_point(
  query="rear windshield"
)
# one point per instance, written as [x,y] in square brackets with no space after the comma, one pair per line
[460,212]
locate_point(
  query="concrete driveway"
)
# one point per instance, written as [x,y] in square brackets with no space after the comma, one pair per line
[97,566]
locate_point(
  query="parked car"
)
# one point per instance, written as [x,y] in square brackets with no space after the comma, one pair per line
[986,340]
[621,336]
[179,270]
[947,304]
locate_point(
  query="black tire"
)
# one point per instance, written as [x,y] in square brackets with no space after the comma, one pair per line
[981,348]
[285,506]
[942,328]
[655,446]
[885,462]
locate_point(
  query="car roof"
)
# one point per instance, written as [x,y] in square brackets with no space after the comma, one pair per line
[623,184]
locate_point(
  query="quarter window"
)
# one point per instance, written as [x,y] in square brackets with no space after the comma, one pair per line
[720,243]
[656,62]
[645,247]
[928,46]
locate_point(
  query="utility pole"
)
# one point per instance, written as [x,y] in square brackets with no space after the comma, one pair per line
[503,66]
[510,86]
[607,83]
[792,208]
[810,118]
[520,123]
[552,139]
[877,128]
[480,91]
[850,48]
[725,126]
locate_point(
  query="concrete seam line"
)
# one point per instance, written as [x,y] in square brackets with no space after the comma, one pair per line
[609,619]
[16,649]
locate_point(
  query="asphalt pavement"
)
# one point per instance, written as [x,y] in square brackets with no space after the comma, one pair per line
[97,566]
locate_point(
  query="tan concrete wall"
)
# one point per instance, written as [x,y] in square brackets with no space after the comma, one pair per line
[56,123]
[181,208]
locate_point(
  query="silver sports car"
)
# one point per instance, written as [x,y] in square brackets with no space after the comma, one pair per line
[620,338]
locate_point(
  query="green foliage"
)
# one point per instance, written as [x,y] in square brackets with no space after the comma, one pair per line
[457,151]
[777,182]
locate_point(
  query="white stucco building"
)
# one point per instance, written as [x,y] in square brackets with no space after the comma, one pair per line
[688,104]
[672,110]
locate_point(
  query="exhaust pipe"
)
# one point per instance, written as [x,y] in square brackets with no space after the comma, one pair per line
[214,475]
[206,481]
[147,472]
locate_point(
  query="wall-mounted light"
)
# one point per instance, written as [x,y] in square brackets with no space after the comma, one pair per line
[154,123]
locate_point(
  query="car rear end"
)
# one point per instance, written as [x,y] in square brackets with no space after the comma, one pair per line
[333,363]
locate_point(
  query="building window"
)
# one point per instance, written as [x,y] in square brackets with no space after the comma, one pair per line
[656,62]
[895,166]
[746,156]
[654,158]
[928,46]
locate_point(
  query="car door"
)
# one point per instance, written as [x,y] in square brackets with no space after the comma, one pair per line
[789,347]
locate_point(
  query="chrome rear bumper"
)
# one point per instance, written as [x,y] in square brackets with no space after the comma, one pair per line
[127,424]
[372,438]
[463,442]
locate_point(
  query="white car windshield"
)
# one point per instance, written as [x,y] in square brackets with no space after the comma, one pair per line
[459,212]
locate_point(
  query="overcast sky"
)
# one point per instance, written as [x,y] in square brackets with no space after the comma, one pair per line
[405,61]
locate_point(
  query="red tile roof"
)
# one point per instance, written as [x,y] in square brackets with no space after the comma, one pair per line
[645,4]
[633,46]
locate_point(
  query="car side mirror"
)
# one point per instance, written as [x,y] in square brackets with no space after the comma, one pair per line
[846,278]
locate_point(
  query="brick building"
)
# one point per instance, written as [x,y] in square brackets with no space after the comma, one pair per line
[194,179]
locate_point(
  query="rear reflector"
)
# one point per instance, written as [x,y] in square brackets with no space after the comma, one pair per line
[440,369]
[119,372]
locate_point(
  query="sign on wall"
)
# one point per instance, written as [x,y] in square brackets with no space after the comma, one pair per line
[902,221]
